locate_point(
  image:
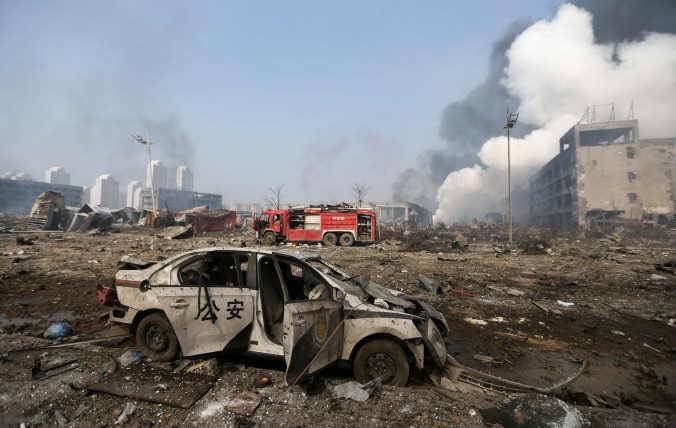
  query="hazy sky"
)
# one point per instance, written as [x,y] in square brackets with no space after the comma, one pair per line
[314,95]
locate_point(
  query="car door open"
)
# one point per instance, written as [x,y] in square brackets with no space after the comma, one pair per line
[313,337]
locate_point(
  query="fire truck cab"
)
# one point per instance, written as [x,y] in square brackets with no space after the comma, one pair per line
[328,224]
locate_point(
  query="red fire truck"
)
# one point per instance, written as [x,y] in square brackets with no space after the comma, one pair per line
[328,224]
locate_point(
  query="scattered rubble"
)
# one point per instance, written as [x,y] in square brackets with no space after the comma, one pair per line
[621,323]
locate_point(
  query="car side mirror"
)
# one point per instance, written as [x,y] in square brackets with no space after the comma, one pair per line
[144,286]
[339,294]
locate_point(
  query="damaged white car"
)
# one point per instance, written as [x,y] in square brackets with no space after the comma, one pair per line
[291,305]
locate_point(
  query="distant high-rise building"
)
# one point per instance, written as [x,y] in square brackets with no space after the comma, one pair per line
[131,189]
[138,200]
[159,175]
[184,178]
[86,195]
[57,175]
[20,176]
[105,192]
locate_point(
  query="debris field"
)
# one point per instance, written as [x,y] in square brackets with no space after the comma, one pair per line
[530,313]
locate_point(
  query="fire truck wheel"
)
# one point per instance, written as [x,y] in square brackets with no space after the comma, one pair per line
[330,239]
[156,339]
[384,359]
[269,238]
[346,239]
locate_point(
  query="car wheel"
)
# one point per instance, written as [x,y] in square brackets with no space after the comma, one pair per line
[269,238]
[346,239]
[384,359]
[156,339]
[330,239]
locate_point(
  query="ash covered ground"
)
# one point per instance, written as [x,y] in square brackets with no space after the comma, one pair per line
[502,308]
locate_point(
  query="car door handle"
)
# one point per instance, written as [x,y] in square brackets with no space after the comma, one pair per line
[179,304]
[299,322]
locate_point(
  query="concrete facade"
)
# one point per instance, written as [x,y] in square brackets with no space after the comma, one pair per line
[57,175]
[603,172]
[105,192]
[18,196]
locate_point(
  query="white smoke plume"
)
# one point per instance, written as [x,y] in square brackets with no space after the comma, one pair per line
[557,69]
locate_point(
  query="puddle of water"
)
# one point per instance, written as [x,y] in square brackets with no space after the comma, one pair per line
[541,369]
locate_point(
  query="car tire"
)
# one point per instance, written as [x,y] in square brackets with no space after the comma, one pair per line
[330,239]
[270,238]
[346,240]
[156,339]
[384,359]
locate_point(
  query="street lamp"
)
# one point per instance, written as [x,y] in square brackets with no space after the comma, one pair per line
[511,121]
[150,164]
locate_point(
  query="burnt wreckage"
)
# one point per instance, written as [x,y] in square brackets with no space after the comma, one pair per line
[287,305]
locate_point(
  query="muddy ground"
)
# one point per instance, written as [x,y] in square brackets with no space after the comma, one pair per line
[501,307]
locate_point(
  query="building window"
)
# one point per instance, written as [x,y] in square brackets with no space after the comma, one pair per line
[632,197]
[631,175]
[631,152]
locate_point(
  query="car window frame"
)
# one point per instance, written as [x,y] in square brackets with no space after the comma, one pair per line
[279,258]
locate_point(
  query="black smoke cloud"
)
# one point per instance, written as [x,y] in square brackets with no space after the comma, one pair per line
[623,20]
[467,124]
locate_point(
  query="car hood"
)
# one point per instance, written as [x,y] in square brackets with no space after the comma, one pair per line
[366,290]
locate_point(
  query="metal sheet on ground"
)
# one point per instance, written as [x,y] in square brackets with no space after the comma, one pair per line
[244,403]
[142,382]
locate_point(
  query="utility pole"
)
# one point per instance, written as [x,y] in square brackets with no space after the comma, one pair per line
[511,121]
[150,165]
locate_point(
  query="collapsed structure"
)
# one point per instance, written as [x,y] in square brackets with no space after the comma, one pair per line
[401,213]
[605,172]
[50,212]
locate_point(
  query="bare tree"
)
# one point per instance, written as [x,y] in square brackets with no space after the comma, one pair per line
[360,190]
[274,199]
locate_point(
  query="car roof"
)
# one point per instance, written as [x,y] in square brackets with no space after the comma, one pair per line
[290,252]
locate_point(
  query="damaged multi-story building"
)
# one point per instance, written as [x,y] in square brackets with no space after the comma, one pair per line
[604,172]
[401,212]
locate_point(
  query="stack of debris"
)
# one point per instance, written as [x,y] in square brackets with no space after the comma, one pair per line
[47,211]
[89,217]
[51,213]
